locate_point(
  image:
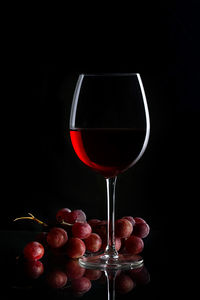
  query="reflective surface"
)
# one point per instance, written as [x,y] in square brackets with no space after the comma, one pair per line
[57,277]
[61,276]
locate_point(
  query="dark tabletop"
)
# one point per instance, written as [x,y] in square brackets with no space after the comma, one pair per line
[157,278]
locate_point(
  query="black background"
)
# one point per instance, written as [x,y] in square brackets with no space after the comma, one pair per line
[43,53]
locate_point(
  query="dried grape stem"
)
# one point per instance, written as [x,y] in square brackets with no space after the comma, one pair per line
[32,217]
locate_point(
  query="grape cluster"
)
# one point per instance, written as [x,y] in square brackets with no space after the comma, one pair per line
[73,235]
[70,237]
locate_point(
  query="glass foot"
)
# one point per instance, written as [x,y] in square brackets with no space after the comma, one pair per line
[123,262]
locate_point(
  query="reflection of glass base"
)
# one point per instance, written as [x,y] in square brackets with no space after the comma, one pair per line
[123,262]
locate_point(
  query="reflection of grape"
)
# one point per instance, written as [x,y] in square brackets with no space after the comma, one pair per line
[57,279]
[93,274]
[33,251]
[140,276]
[74,270]
[124,284]
[81,285]
[75,248]
[57,237]
[34,269]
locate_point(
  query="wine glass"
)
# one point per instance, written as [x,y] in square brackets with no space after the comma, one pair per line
[109,130]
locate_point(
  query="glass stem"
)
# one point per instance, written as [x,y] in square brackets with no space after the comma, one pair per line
[110,251]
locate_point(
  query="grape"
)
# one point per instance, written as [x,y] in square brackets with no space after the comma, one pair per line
[81,230]
[124,284]
[141,230]
[93,242]
[42,238]
[75,216]
[123,244]
[117,243]
[57,237]
[83,235]
[130,219]
[123,228]
[134,245]
[140,276]
[34,268]
[93,274]
[101,229]
[62,214]
[81,285]
[75,248]
[56,279]
[33,251]
[139,220]
[74,270]
[93,222]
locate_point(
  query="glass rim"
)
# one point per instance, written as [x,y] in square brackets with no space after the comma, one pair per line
[117,74]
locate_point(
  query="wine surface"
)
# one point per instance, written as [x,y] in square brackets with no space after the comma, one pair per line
[108,151]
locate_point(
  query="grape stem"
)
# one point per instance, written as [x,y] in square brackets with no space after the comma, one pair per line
[32,217]
[65,223]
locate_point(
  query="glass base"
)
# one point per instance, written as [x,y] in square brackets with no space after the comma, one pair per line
[101,262]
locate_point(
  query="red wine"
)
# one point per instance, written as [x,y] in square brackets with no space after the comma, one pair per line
[108,151]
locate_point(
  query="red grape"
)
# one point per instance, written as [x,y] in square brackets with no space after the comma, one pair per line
[134,245]
[124,284]
[76,216]
[93,222]
[42,238]
[57,279]
[93,242]
[33,251]
[130,219]
[139,220]
[74,270]
[62,214]
[34,268]
[117,243]
[141,230]
[81,285]
[123,228]
[101,229]
[75,248]
[81,230]
[57,237]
